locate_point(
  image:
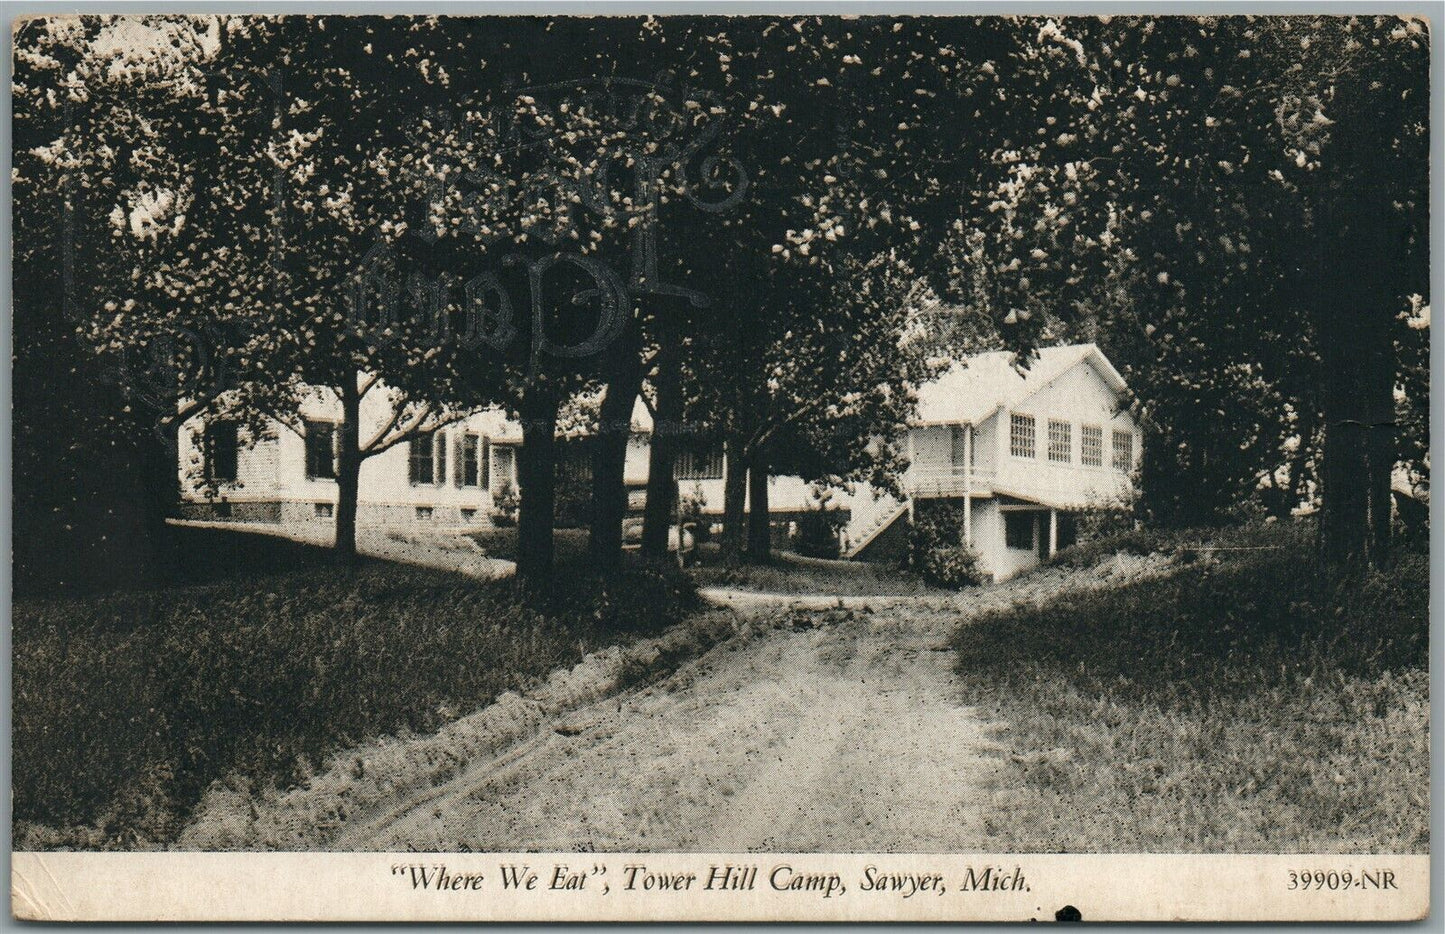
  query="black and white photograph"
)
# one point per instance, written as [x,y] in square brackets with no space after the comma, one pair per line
[802,466]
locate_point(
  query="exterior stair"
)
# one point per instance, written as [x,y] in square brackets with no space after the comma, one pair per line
[870,520]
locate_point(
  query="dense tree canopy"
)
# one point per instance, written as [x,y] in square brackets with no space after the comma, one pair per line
[768,228]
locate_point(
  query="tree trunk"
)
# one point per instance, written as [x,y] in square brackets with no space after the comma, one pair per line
[537,478]
[160,481]
[662,456]
[735,491]
[348,472]
[1344,509]
[1379,387]
[609,458]
[760,533]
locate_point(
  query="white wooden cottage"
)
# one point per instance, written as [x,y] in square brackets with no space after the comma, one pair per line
[1022,451]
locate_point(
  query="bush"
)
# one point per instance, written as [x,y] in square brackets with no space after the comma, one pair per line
[954,567]
[817,534]
[694,518]
[504,510]
[936,551]
[126,707]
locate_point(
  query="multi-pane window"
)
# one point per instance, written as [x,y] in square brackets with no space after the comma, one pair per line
[469,464]
[1123,450]
[1091,439]
[692,465]
[221,451]
[1061,441]
[1018,530]
[1021,435]
[428,459]
[320,450]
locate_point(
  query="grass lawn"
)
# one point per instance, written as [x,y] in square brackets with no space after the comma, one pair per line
[569,545]
[1246,703]
[794,574]
[127,705]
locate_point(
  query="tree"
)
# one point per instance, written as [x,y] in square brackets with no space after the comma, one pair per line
[104,144]
[1259,185]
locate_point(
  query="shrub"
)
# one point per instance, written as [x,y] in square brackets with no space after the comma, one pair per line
[693,517]
[1103,521]
[817,533]
[936,551]
[504,510]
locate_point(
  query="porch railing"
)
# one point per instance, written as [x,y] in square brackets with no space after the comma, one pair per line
[954,481]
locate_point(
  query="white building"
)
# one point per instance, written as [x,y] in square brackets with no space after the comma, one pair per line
[1021,452]
[454,477]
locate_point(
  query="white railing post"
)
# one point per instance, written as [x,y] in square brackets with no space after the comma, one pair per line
[968,459]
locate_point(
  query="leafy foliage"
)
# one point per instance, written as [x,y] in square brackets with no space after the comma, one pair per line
[817,534]
[936,551]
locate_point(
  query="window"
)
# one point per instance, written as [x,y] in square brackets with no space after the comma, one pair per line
[693,465]
[1061,441]
[469,468]
[423,512]
[1018,530]
[221,451]
[468,514]
[428,460]
[1123,450]
[324,510]
[320,450]
[1092,439]
[1021,435]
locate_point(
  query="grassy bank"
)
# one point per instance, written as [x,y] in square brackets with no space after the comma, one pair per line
[1247,702]
[127,706]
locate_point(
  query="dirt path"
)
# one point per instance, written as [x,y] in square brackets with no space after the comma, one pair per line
[844,736]
[842,729]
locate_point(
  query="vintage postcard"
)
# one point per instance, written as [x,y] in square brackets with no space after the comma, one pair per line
[708,467]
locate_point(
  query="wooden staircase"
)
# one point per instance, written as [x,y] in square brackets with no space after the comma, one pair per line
[869,522]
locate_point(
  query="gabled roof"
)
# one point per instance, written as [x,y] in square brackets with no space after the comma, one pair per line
[971,390]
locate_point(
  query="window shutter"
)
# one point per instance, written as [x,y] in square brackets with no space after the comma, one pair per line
[486,468]
[441,466]
[459,458]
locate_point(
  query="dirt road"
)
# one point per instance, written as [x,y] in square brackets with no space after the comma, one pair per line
[847,736]
[841,729]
